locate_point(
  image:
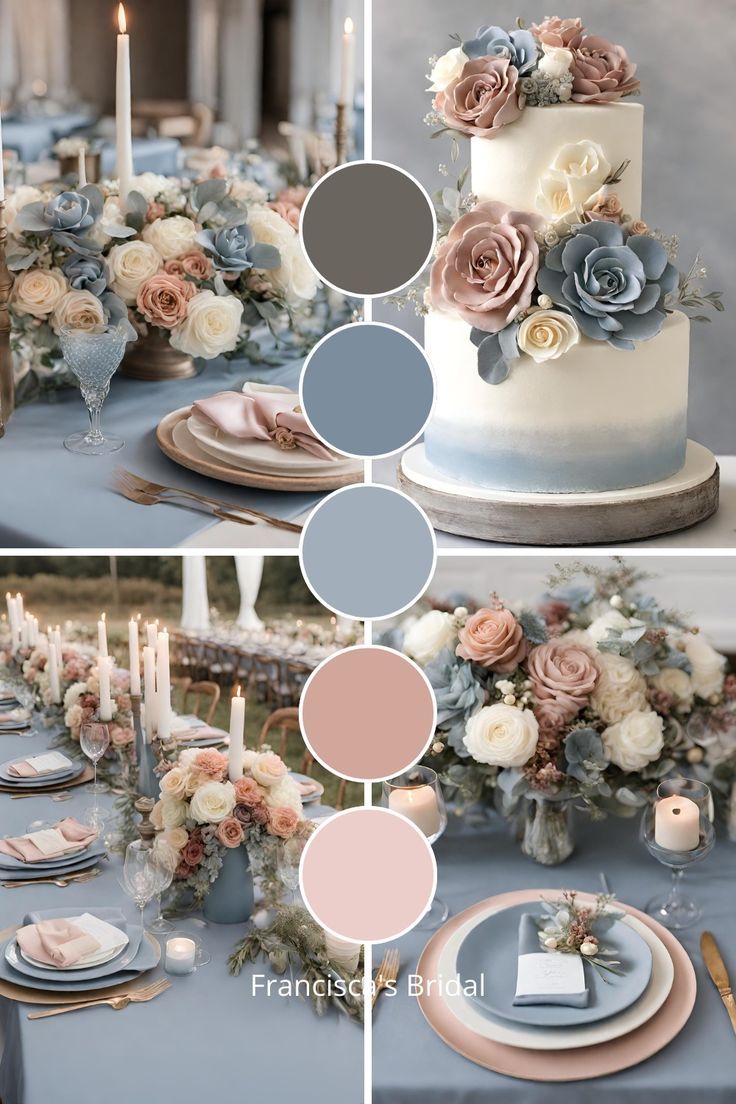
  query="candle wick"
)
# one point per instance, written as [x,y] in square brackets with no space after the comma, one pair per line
[676,812]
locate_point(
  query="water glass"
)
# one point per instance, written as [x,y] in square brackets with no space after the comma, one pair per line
[94,357]
[139,877]
[164,876]
[417,795]
[94,740]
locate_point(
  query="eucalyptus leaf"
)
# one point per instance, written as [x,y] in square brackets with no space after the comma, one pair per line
[18,262]
[209,191]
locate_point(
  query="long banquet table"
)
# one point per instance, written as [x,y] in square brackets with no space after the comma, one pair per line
[205,1038]
[411,1064]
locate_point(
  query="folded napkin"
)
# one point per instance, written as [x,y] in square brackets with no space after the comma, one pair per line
[13,716]
[56,942]
[50,843]
[269,414]
[36,765]
[306,788]
[199,732]
[547,977]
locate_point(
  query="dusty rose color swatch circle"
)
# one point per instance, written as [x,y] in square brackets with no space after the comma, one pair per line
[368,875]
[367,713]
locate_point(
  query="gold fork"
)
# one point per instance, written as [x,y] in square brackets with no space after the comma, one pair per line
[388,971]
[159,491]
[144,498]
[138,996]
[85,876]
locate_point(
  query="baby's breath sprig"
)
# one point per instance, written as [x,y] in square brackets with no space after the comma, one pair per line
[572,928]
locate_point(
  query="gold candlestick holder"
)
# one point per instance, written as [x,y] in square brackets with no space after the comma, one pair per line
[341,134]
[7,377]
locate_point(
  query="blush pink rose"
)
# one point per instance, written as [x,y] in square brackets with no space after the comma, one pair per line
[482,99]
[193,851]
[247,792]
[553,31]
[196,264]
[295,196]
[283,822]
[563,676]
[289,212]
[155,211]
[485,269]
[121,737]
[211,763]
[260,814]
[230,832]
[183,870]
[163,300]
[494,639]
[174,267]
[602,72]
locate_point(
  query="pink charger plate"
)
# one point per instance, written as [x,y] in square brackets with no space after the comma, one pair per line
[549,1065]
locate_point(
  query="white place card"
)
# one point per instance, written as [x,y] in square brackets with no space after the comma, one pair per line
[48,762]
[550,974]
[50,841]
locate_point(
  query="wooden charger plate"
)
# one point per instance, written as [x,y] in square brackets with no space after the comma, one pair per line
[197,460]
[26,791]
[38,996]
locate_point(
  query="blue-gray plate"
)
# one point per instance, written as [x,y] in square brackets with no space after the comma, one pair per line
[75,867]
[313,795]
[490,952]
[49,866]
[122,961]
[40,781]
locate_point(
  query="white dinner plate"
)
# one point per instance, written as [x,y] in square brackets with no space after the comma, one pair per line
[93,960]
[262,455]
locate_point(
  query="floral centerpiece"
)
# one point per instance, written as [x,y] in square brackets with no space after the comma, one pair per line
[75,667]
[591,697]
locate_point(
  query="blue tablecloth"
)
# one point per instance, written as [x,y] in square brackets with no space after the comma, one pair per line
[205,1039]
[411,1065]
[157,155]
[52,498]
[33,136]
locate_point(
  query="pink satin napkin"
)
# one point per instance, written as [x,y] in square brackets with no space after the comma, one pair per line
[22,769]
[36,766]
[262,416]
[56,942]
[306,788]
[201,732]
[76,834]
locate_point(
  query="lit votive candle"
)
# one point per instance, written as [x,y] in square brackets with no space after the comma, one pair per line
[677,824]
[180,954]
[419,805]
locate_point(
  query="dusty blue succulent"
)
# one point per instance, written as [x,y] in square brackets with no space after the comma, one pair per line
[614,285]
[458,694]
[234,249]
[68,217]
[86,273]
[520,47]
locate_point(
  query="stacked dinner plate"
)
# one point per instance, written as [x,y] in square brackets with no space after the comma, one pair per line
[13,717]
[309,789]
[126,953]
[628,1017]
[14,869]
[190,731]
[48,777]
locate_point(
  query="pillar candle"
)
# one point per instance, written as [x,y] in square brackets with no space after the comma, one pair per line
[123,125]
[149,683]
[82,170]
[677,824]
[134,657]
[419,805]
[2,166]
[163,687]
[54,685]
[24,634]
[19,606]
[152,634]
[58,645]
[347,67]
[237,729]
[102,635]
[104,671]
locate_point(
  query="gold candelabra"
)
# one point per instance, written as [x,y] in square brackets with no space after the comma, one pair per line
[341,134]
[7,379]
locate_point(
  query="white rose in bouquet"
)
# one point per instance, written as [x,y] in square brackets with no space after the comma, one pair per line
[447,68]
[620,688]
[78,310]
[502,735]
[173,811]
[212,802]
[171,237]
[634,741]
[131,264]
[211,327]
[555,60]
[284,793]
[611,619]
[294,279]
[150,185]
[38,291]
[20,197]
[678,684]
[174,782]
[707,665]
[573,178]
[428,635]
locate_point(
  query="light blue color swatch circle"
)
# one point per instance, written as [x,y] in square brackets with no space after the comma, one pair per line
[367,389]
[367,552]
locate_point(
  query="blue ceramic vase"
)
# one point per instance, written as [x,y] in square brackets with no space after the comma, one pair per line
[230,899]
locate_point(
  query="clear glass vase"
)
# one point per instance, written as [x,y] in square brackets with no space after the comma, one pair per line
[547,836]
[93,357]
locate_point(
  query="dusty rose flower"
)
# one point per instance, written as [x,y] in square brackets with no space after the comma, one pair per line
[230,832]
[486,267]
[155,211]
[260,814]
[553,31]
[493,638]
[283,822]
[120,736]
[482,99]
[602,72]
[211,763]
[555,614]
[637,226]
[607,208]
[163,300]
[288,211]
[564,674]
[183,870]
[295,195]
[729,686]
[247,792]
[196,264]
[174,267]
[244,815]
[193,852]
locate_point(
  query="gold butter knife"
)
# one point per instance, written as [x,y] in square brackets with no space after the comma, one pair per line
[716,967]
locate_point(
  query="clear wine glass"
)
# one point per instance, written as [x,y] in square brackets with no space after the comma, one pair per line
[164,876]
[26,700]
[94,740]
[94,357]
[417,795]
[139,877]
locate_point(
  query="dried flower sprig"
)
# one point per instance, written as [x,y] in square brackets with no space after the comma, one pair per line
[572,928]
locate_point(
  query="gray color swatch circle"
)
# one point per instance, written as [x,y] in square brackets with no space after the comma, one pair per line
[367,389]
[368,228]
[367,552]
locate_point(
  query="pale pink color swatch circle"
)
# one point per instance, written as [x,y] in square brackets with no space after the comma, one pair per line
[368,713]
[368,875]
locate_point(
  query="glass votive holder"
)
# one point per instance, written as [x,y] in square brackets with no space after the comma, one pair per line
[183,953]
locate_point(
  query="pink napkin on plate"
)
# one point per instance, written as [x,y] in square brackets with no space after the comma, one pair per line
[306,788]
[201,732]
[20,847]
[22,769]
[56,942]
[267,415]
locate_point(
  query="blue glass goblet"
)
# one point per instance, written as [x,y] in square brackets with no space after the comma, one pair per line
[93,356]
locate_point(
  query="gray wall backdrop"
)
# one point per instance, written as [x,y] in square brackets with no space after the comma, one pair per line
[684,54]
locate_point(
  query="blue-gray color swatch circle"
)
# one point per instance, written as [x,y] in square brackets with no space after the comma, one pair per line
[367,552]
[367,389]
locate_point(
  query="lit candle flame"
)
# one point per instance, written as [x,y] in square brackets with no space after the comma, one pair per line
[237,692]
[348,25]
[122,22]
[103,617]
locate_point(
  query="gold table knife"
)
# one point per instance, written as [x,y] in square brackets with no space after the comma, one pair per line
[716,967]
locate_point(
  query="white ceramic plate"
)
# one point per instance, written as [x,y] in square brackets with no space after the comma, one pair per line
[92,960]
[261,455]
[555,1038]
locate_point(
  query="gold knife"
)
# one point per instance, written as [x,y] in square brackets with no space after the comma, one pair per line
[716,967]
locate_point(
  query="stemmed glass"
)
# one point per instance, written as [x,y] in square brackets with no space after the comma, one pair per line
[164,876]
[287,863]
[94,740]
[139,878]
[24,696]
[93,356]
[417,794]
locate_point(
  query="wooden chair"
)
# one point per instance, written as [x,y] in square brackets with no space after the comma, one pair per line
[283,721]
[201,691]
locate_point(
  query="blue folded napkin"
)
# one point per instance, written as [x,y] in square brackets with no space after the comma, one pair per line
[547,977]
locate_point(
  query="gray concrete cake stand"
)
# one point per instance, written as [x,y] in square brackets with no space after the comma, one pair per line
[610,517]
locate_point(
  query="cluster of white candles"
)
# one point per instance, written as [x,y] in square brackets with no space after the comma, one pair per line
[23,625]
[156,675]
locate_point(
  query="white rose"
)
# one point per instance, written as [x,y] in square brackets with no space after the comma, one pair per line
[212,802]
[38,291]
[284,793]
[634,741]
[620,688]
[294,279]
[249,758]
[78,310]
[131,264]
[429,635]
[556,61]
[547,334]
[707,665]
[502,735]
[268,769]
[17,199]
[211,327]
[171,237]
[574,176]
[447,68]
[611,619]
[247,191]
[174,782]
[678,684]
[149,185]
[166,855]
[173,811]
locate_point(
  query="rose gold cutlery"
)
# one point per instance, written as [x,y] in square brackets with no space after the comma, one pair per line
[64,880]
[387,973]
[716,967]
[137,996]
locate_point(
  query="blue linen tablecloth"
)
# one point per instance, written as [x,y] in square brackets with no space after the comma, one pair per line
[34,135]
[52,498]
[411,1064]
[156,155]
[205,1039]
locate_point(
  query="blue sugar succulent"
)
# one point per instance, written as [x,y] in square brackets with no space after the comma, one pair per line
[234,249]
[520,47]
